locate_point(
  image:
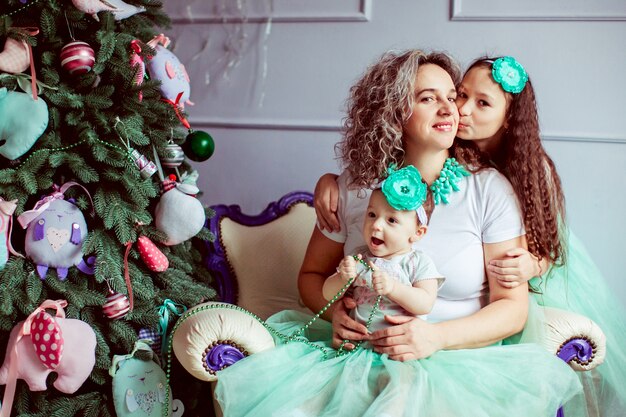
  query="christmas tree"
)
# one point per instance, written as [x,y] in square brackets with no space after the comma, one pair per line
[87,132]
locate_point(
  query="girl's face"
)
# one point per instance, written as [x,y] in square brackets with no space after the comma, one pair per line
[482,108]
[434,118]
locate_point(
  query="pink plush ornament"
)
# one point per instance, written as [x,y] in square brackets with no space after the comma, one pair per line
[22,361]
[16,55]
[151,255]
[92,7]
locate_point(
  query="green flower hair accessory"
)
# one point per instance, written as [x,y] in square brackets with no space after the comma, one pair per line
[404,188]
[510,74]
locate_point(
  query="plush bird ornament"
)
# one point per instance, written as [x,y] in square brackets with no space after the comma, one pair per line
[179,214]
[92,7]
[125,10]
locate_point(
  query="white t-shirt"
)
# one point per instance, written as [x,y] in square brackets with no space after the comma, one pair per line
[484,210]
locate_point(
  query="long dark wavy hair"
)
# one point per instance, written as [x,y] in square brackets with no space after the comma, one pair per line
[525,163]
[378,108]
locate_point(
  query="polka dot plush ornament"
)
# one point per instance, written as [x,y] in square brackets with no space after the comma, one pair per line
[47,339]
[154,259]
[77,57]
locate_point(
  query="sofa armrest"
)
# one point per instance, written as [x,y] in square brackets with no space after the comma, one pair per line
[212,336]
[576,339]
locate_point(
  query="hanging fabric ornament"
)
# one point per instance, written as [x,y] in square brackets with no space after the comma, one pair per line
[55,234]
[140,386]
[136,62]
[179,214]
[124,10]
[116,306]
[164,66]
[33,365]
[23,121]
[92,7]
[174,156]
[154,259]
[146,167]
[17,55]
[7,208]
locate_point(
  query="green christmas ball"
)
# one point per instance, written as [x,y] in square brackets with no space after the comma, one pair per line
[198,146]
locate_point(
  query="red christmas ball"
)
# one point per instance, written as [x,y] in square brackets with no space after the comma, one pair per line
[77,58]
[116,306]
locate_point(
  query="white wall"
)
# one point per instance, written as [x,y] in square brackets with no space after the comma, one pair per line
[275,116]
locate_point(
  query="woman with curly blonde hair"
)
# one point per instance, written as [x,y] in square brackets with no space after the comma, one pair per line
[402,112]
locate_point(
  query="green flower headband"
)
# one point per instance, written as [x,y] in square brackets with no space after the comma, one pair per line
[510,74]
[405,190]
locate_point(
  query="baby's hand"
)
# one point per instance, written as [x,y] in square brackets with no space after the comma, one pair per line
[347,268]
[382,283]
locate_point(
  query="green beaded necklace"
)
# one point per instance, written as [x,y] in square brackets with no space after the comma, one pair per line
[451,173]
[297,335]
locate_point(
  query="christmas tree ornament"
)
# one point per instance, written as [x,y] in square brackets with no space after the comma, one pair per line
[7,208]
[124,10]
[179,214]
[16,56]
[92,7]
[66,346]
[198,146]
[77,57]
[140,385]
[23,121]
[145,166]
[174,156]
[154,259]
[116,306]
[136,62]
[56,229]
[164,66]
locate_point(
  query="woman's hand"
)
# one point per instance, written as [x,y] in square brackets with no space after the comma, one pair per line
[516,268]
[325,201]
[409,338]
[345,327]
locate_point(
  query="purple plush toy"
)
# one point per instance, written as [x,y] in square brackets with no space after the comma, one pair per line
[167,68]
[56,231]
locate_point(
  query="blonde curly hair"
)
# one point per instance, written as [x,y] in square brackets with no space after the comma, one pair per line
[379,106]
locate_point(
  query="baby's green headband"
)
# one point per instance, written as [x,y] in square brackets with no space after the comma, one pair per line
[405,190]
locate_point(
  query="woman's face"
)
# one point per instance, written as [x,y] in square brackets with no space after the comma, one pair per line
[434,118]
[482,108]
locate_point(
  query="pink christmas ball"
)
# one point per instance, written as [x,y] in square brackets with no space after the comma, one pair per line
[116,306]
[77,57]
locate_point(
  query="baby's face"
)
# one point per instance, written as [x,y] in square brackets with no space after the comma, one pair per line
[388,232]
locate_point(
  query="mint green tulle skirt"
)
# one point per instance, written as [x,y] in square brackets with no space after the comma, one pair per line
[309,379]
[581,288]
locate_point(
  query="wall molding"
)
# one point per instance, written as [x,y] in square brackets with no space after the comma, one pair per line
[334,126]
[302,11]
[538,10]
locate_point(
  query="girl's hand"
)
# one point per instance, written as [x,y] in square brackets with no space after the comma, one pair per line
[345,327]
[409,338]
[518,267]
[347,268]
[382,283]
[325,201]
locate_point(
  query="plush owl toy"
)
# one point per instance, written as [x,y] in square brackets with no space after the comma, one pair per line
[56,229]
[140,386]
